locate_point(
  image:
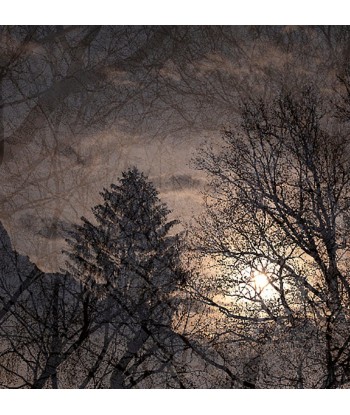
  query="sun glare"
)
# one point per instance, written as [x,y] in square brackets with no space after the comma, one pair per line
[260,280]
[261,284]
[255,282]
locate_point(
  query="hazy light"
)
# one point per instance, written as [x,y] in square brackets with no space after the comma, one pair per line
[260,280]
[261,285]
[253,282]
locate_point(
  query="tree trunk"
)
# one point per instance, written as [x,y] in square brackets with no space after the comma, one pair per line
[54,359]
[119,373]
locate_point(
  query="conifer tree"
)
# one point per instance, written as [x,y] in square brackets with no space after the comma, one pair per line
[129,248]
[129,260]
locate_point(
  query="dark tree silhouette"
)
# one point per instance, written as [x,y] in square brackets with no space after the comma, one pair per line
[45,319]
[277,224]
[129,261]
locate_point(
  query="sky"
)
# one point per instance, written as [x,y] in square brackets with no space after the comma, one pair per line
[82,104]
[206,401]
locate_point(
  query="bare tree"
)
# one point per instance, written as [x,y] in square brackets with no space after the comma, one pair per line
[44,320]
[277,225]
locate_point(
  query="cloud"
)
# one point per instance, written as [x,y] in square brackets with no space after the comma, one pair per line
[54,229]
[48,228]
[178,183]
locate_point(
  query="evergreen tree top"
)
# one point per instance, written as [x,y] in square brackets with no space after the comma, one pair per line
[134,198]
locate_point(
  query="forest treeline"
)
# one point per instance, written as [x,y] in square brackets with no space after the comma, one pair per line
[119,316]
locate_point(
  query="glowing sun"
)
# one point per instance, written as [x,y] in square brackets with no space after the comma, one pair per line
[256,282]
[262,286]
[260,280]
